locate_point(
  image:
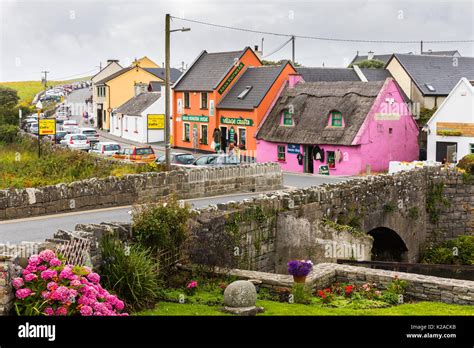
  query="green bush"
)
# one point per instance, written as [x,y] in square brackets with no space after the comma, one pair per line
[161,226]
[459,251]
[369,64]
[130,272]
[467,163]
[301,294]
[8,133]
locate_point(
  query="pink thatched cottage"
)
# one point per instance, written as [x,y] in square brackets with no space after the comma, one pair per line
[338,128]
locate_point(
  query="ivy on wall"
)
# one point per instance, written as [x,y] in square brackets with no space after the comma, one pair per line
[435,200]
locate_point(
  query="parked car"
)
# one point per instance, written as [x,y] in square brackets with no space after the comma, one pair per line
[136,154]
[60,134]
[33,129]
[216,160]
[76,142]
[178,159]
[90,133]
[61,115]
[70,125]
[105,148]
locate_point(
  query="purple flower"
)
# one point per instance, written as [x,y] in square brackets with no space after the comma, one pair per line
[300,268]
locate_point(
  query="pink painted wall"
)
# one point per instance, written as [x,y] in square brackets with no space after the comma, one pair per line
[374,145]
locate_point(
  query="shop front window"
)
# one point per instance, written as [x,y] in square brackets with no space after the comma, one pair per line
[204,134]
[186,135]
[331,159]
[281,152]
[242,138]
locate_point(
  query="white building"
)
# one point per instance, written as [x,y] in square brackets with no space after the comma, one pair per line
[451,128]
[140,119]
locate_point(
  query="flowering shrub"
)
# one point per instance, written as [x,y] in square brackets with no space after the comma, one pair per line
[300,268]
[48,286]
[191,287]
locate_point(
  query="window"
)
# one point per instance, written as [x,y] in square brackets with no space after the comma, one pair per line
[471,147]
[242,137]
[244,93]
[186,132]
[126,124]
[287,118]
[390,130]
[336,119]
[281,152]
[331,159]
[204,134]
[136,125]
[186,100]
[204,100]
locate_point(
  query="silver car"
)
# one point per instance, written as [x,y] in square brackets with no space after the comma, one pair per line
[76,142]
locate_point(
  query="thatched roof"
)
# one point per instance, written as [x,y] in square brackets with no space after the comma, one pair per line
[312,103]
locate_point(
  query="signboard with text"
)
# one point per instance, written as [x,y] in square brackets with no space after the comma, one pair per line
[231,77]
[293,148]
[237,121]
[192,118]
[156,121]
[324,170]
[46,126]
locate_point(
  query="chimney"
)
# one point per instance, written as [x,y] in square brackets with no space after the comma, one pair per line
[257,52]
[112,61]
[370,55]
[293,79]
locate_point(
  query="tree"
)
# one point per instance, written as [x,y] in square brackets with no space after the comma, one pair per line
[8,106]
[280,62]
[369,64]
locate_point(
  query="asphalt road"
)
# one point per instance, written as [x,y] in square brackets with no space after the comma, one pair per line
[41,227]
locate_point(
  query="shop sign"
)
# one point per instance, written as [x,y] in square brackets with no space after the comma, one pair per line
[193,118]
[293,148]
[156,121]
[46,126]
[237,121]
[231,77]
[324,170]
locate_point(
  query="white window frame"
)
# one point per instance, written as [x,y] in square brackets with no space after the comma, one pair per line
[207,100]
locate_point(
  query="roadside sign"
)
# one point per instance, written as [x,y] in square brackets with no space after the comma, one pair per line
[156,121]
[46,126]
[324,170]
[39,105]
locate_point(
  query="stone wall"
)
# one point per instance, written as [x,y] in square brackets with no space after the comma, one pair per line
[116,191]
[419,287]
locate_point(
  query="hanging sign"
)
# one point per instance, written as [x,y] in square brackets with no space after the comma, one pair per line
[324,170]
[192,118]
[156,121]
[231,77]
[231,135]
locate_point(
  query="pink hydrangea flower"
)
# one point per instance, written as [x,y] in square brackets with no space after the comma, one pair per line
[66,273]
[52,286]
[61,311]
[34,259]
[55,262]
[49,311]
[23,293]
[30,277]
[75,283]
[17,283]
[119,305]
[48,274]
[42,268]
[60,294]
[31,267]
[86,311]
[47,255]
[45,295]
[93,277]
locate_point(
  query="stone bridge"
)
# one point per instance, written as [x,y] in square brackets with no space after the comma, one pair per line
[402,212]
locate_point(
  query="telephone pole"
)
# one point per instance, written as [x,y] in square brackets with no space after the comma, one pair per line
[293,50]
[421,47]
[45,78]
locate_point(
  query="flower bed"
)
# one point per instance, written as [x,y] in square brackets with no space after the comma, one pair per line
[49,286]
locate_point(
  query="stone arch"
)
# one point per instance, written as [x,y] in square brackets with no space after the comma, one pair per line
[388,245]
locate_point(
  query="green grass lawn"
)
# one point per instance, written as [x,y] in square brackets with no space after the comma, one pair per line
[21,168]
[273,308]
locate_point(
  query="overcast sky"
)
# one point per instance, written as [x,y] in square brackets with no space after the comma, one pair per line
[70,38]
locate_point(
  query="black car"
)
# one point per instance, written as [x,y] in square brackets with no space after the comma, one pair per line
[59,136]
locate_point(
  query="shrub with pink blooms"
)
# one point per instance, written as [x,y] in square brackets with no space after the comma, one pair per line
[49,286]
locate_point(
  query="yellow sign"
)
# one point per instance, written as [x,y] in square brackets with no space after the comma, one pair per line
[156,121]
[47,126]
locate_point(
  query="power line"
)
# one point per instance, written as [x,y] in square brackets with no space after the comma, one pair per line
[67,77]
[320,37]
[278,49]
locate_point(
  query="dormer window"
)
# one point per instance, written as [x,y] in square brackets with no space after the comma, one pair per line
[244,93]
[335,119]
[430,87]
[287,118]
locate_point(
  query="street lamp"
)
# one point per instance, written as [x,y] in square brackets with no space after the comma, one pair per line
[167,88]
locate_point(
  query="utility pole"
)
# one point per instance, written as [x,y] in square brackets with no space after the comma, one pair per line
[45,81]
[167,92]
[293,50]
[421,47]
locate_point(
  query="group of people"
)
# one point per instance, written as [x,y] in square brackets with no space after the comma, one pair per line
[88,118]
[226,143]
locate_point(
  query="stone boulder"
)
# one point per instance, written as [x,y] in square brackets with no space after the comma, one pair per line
[240,298]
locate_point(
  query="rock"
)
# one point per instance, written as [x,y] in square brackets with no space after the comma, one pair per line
[240,294]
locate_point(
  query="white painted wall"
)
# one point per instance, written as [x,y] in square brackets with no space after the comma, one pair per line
[457,107]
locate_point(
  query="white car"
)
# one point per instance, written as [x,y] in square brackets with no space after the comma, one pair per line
[70,125]
[76,142]
[61,115]
[105,148]
[90,133]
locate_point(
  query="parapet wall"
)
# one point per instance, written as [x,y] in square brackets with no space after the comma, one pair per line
[129,189]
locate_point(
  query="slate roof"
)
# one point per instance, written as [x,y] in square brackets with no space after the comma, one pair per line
[340,74]
[207,71]
[442,53]
[382,57]
[312,102]
[437,71]
[260,79]
[155,86]
[138,104]
[160,72]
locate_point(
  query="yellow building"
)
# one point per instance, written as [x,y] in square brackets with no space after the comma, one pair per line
[116,89]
